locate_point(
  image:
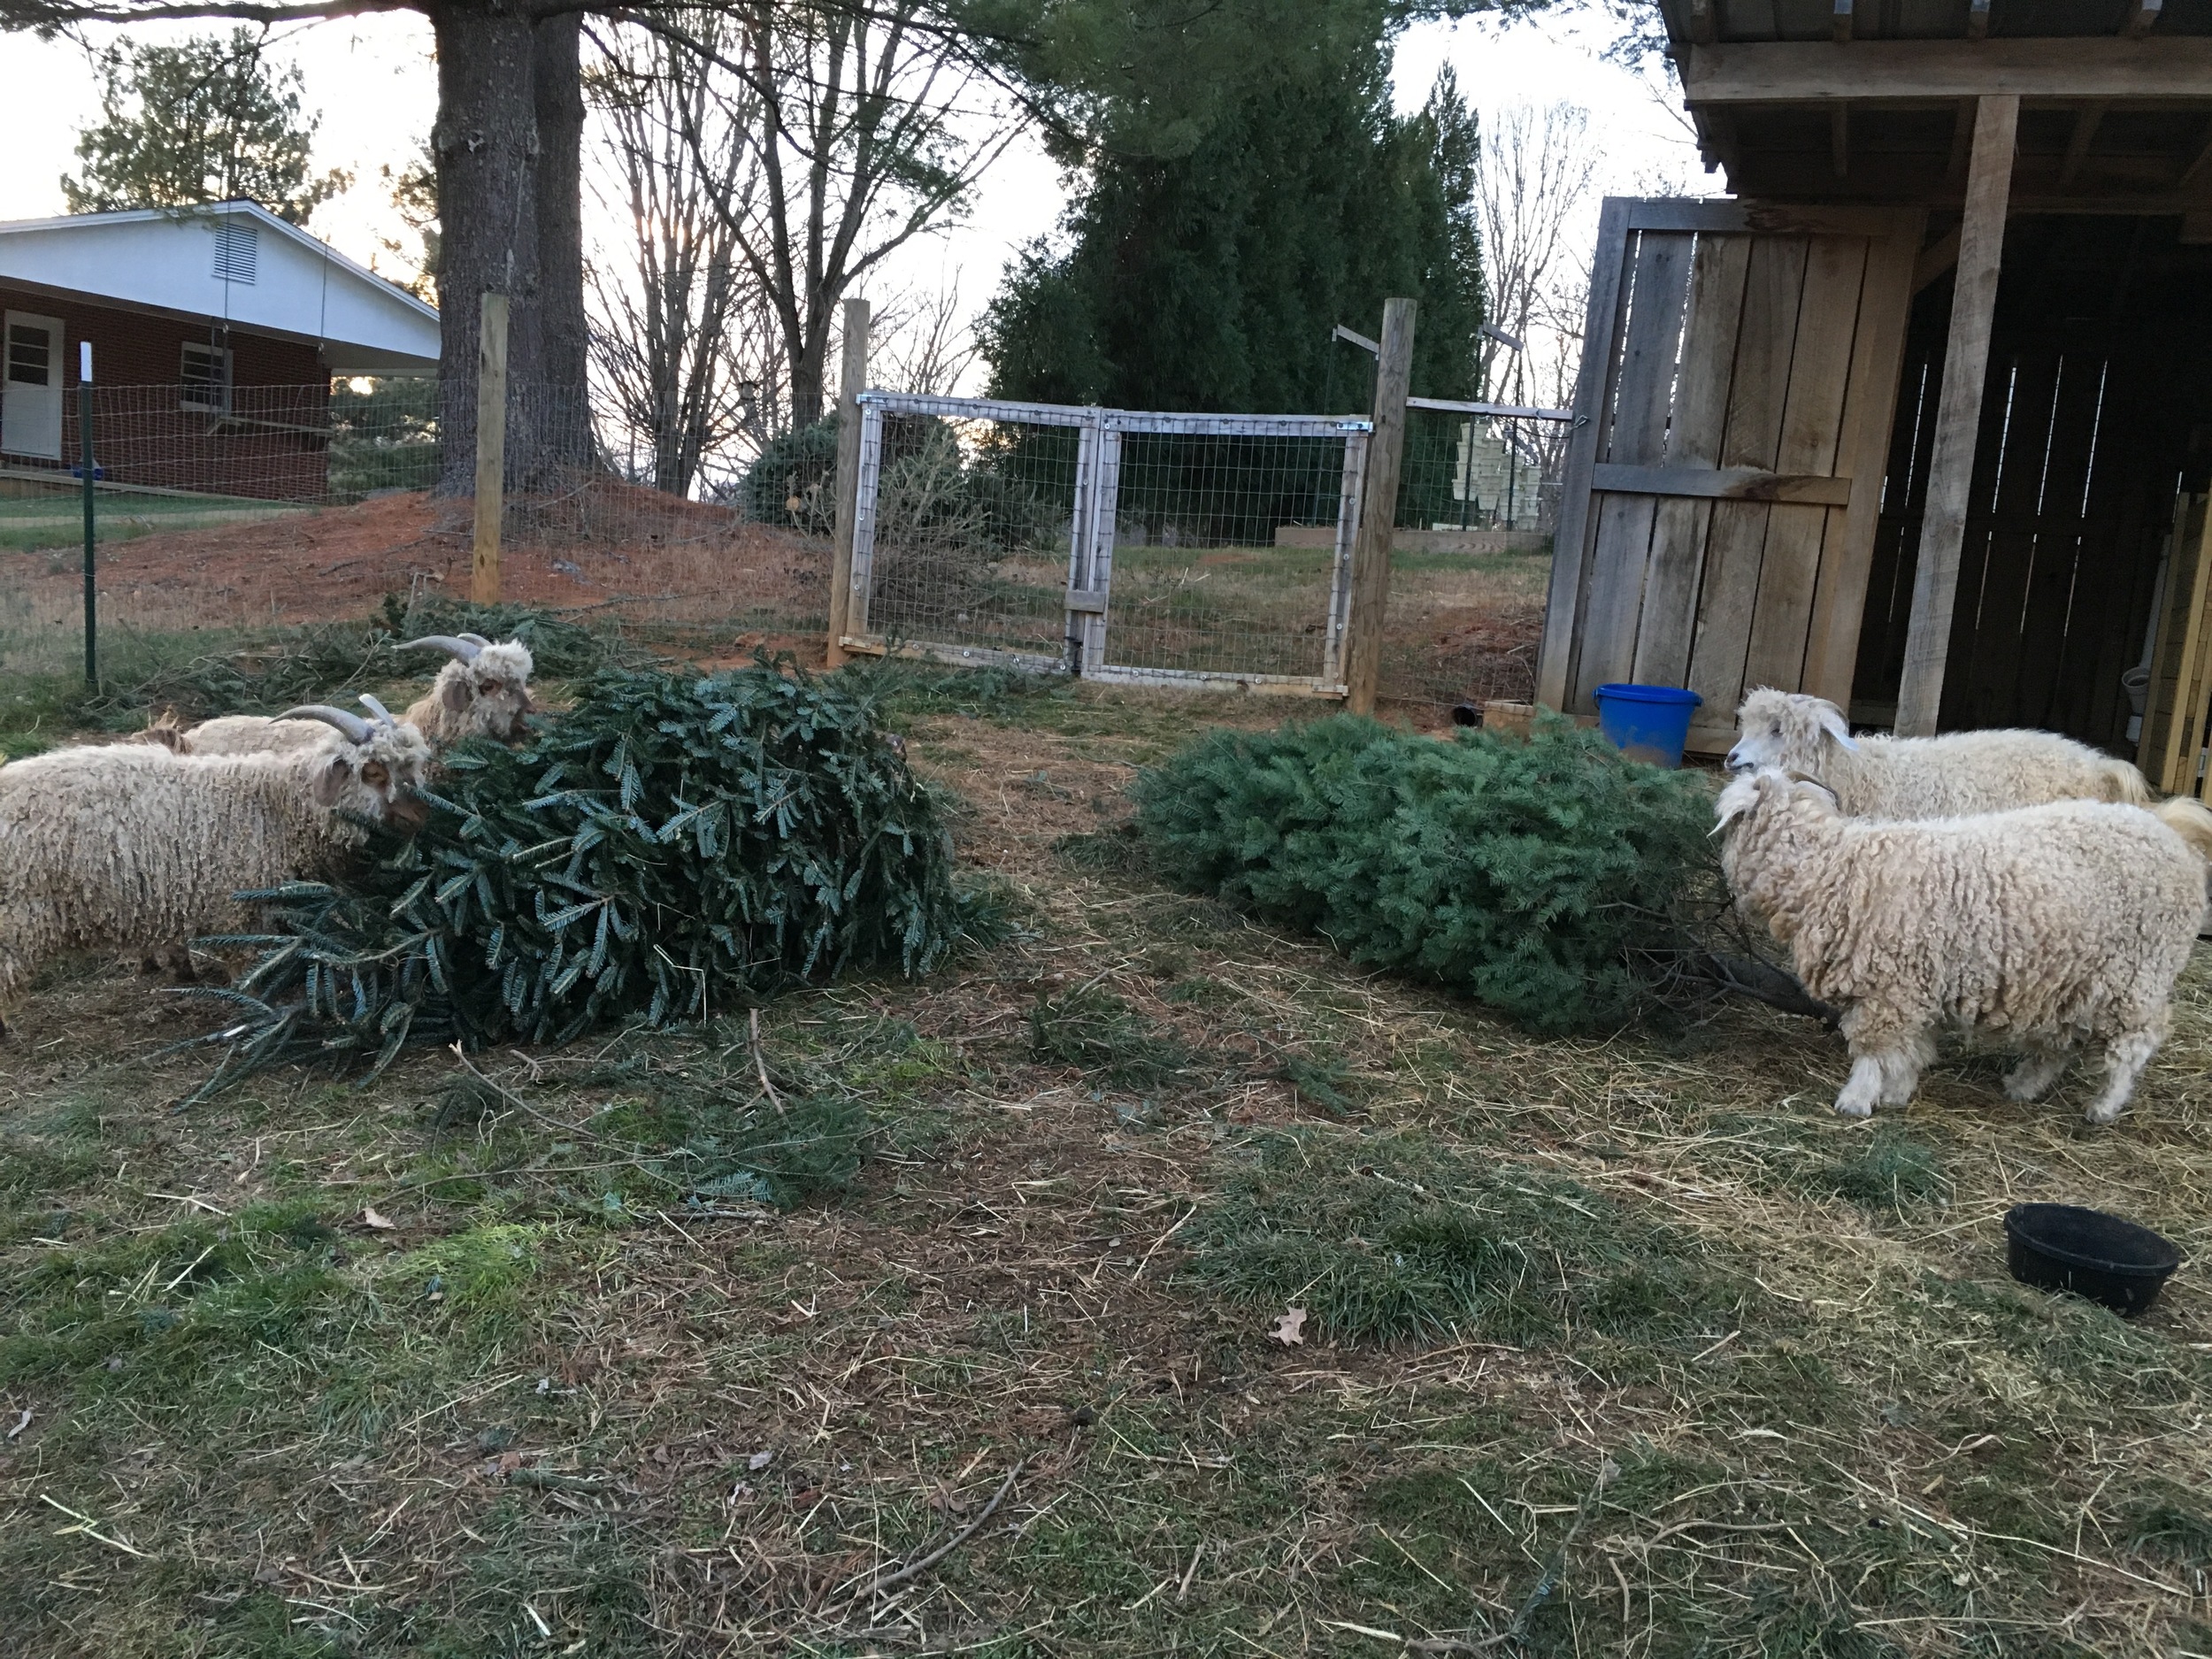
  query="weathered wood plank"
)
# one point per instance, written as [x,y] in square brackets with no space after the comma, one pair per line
[1572,543]
[1664,632]
[1623,546]
[1966,362]
[1623,550]
[1780,219]
[1734,483]
[1774,288]
[2054,604]
[1734,543]
[1820,365]
[2173,68]
[1869,414]
[1669,625]
[2185,735]
[1789,569]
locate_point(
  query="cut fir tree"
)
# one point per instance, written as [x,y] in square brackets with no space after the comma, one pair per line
[668,849]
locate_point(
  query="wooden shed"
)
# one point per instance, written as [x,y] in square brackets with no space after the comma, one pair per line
[1919,419]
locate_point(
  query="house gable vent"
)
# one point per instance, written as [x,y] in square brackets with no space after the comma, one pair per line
[237,248]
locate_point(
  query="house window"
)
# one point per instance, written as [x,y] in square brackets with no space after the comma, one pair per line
[30,355]
[205,375]
[237,246]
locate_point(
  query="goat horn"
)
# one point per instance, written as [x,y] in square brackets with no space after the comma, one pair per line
[477,640]
[383,714]
[462,647]
[356,728]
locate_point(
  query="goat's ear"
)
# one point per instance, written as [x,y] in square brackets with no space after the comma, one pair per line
[330,781]
[1832,722]
[454,695]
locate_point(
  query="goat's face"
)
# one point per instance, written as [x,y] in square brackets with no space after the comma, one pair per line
[377,778]
[1788,729]
[490,696]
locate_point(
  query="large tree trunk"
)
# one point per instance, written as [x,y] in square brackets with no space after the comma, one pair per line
[807,371]
[484,142]
[560,434]
[508,144]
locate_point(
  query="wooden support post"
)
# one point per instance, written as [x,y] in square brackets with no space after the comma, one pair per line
[852,379]
[491,448]
[1958,416]
[1378,511]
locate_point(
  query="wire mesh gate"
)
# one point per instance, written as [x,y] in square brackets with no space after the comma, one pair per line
[1161,549]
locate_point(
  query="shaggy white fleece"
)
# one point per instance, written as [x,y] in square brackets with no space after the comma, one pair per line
[130,848]
[1925,777]
[2043,928]
[487,697]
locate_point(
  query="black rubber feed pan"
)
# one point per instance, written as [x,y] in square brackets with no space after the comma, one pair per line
[2064,1246]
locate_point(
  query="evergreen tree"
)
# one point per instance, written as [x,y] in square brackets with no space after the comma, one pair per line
[1211,280]
[206,121]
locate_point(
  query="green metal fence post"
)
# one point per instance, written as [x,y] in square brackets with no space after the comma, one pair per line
[84,431]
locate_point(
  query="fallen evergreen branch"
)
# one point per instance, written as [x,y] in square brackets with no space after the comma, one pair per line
[667,850]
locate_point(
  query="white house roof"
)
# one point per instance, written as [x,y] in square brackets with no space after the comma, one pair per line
[233,262]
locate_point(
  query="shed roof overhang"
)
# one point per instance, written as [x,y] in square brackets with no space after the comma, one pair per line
[1873,100]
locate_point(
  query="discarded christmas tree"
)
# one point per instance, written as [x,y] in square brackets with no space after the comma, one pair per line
[667,849]
[1550,878]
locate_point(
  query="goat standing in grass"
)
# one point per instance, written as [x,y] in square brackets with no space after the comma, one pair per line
[2043,928]
[131,848]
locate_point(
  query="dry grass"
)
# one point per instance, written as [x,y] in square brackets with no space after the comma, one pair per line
[530,1415]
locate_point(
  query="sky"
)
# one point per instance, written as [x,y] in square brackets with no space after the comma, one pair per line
[373,80]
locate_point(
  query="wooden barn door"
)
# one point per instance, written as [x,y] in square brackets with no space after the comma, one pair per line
[1739,377]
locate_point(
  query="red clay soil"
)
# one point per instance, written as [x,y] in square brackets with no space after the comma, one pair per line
[622,549]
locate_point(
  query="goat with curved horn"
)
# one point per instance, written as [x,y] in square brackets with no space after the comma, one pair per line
[383,715]
[355,728]
[462,648]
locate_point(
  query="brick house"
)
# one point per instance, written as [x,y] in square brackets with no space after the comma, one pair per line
[215,332]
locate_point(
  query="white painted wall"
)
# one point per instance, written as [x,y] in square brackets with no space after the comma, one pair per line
[300,286]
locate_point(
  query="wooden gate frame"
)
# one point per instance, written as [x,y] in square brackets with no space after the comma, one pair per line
[1894,236]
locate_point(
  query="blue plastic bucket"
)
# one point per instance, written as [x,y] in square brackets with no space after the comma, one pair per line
[1647,723]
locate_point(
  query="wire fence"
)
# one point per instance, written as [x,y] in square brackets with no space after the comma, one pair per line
[233,509]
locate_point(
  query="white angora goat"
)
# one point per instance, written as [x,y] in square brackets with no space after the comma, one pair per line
[484,691]
[1925,777]
[129,847]
[2044,927]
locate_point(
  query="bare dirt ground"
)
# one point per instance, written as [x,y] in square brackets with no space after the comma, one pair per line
[696,579]
[622,551]
[431,1368]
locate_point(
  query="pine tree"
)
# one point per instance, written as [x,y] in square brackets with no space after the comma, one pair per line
[1212,280]
[208,121]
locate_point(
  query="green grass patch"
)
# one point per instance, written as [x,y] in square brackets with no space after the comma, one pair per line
[1396,1237]
[1098,1034]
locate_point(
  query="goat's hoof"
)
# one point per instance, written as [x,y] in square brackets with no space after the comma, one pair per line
[2103,1117]
[1846,1107]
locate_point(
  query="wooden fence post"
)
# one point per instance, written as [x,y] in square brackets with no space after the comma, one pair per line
[1958,416]
[491,448]
[852,379]
[1377,510]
